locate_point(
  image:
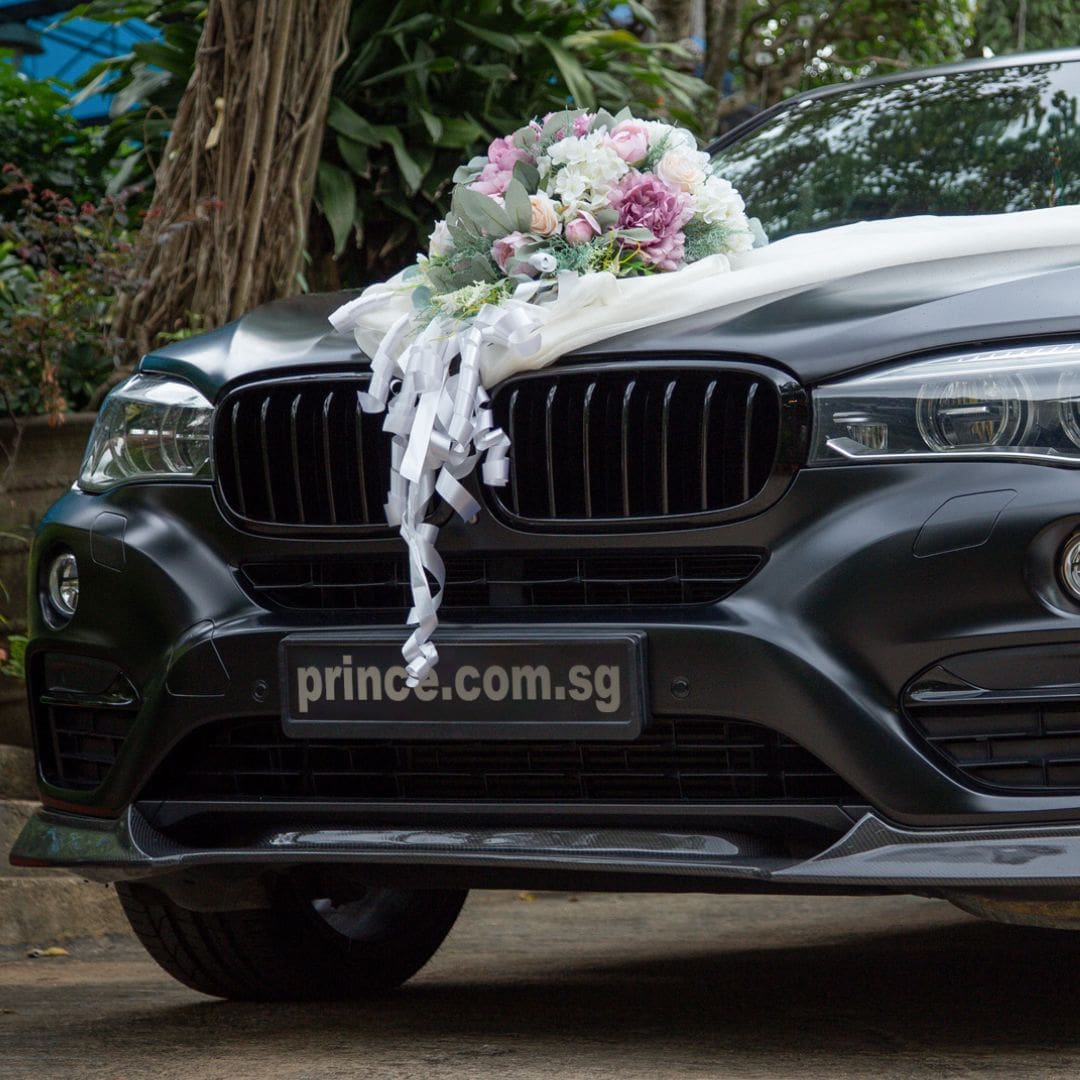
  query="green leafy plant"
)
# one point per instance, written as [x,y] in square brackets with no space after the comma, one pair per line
[61,265]
[427,85]
[38,131]
[146,84]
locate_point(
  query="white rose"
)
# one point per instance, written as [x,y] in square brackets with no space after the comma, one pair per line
[545,219]
[681,169]
[440,242]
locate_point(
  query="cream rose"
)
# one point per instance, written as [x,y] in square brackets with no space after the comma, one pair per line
[545,219]
[681,169]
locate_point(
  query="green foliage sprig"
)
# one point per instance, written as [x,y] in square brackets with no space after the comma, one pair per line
[61,267]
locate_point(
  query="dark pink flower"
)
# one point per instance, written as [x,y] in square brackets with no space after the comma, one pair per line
[643,202]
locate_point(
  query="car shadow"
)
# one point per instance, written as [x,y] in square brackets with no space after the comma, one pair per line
[961,988]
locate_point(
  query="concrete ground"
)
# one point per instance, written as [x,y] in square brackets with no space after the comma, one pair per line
[595,986]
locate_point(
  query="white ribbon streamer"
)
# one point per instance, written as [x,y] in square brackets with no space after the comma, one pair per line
[442,425]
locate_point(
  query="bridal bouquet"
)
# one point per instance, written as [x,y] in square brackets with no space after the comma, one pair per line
[551,241]
[581,193]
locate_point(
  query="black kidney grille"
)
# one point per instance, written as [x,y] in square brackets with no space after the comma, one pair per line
[1018,744]
[302,454]
[651,441]
[682,760]
[381,582]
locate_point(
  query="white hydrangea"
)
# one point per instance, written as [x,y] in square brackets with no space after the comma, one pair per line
[587,167]
[718,203]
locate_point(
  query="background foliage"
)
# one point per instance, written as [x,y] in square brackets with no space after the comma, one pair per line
[425,84]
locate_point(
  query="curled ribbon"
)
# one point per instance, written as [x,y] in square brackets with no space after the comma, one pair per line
[442,425]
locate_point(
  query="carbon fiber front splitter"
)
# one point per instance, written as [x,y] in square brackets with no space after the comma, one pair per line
[872,854]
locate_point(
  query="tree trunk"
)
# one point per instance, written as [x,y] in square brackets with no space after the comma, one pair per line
[721,29]
[225,230]
[672,18]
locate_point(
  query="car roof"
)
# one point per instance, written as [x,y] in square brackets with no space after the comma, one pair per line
[1008,60]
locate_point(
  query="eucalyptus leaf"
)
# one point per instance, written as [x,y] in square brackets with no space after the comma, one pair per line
[517,206]
[602,120]
[527,174]
[484,215]
[473,269]
[421,297]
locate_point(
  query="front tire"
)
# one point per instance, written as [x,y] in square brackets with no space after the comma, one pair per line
[300,949]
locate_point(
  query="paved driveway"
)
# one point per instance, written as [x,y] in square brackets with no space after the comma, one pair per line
[597,986]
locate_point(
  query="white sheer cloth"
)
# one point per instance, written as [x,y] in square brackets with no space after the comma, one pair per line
[441,424]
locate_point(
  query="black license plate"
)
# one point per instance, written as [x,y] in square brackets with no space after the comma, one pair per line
[515,684]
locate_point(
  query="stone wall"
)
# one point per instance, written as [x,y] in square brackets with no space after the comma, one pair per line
[46,463]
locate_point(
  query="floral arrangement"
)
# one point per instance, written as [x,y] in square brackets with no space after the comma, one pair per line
[580,192]
[550,243]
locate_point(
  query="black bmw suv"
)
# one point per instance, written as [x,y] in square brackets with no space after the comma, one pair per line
[787,600]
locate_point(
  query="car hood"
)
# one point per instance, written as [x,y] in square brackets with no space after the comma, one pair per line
[816,333]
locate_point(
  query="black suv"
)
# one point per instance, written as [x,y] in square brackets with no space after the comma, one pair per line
[788,600]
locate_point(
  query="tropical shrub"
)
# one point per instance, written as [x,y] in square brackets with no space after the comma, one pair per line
[429,84]
[61,265]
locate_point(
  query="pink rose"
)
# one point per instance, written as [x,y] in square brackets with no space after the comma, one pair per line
[631,141]
[505,248]
[582,228]
[503,154]
[492,180]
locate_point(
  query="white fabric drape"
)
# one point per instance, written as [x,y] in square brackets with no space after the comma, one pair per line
[441,424]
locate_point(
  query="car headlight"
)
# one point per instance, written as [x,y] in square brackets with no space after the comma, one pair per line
[1021,402]
[149,428]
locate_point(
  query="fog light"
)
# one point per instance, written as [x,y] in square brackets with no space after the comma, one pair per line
[1070,566]
[62,589]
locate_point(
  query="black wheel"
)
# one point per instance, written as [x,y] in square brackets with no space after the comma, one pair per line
[300,949]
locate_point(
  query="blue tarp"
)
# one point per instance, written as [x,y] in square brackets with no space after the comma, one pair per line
[72,47]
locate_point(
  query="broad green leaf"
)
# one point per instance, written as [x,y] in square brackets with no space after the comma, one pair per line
[354,154]
[433,124]
[336,195]
[505,42]
[411,171]
[345,121]
[458,134]
[573,75]
[162,56]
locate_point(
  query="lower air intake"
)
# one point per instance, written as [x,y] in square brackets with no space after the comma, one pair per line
[685,760]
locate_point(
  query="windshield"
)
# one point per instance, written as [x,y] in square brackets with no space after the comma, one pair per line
[977,142]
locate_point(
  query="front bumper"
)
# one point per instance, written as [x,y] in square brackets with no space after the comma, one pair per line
[872,578]
[872,854]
